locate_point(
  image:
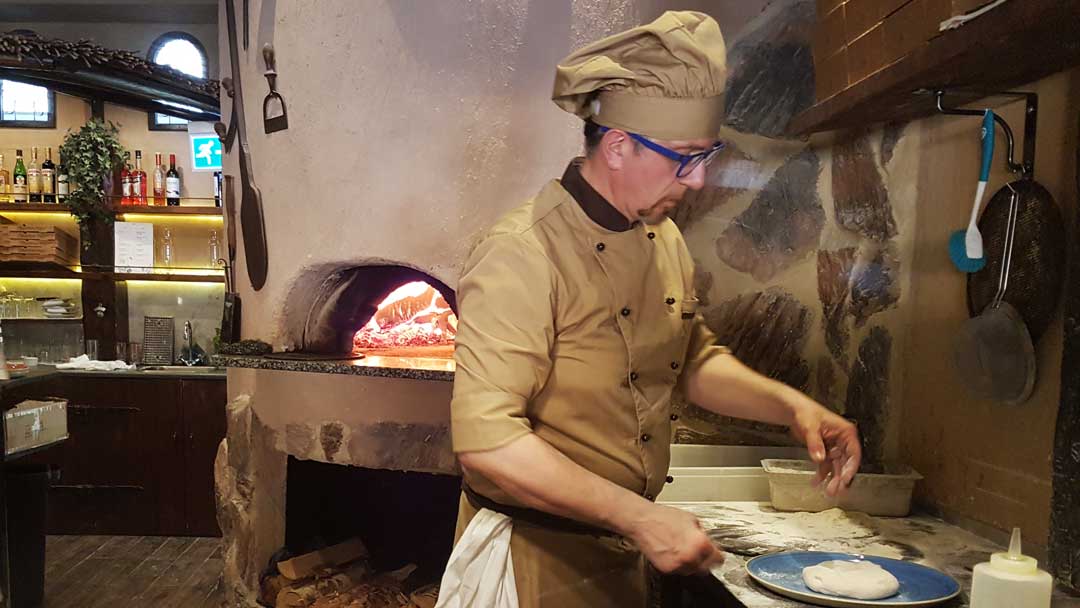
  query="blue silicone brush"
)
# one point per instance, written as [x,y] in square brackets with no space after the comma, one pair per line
[966,246]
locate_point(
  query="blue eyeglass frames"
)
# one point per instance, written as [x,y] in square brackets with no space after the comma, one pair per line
[687,162]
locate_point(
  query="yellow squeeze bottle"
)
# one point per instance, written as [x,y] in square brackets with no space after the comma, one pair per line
[1011,580]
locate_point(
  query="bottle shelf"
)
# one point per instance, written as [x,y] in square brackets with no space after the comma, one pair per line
[169,277]
[7,320]
[117,209]
[35,207]
[57,271]
[158,210]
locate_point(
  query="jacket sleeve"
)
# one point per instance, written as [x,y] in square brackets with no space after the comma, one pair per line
[506,303]
[701,347]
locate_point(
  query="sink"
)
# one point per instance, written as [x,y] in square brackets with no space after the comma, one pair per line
[183,369]
[721,473]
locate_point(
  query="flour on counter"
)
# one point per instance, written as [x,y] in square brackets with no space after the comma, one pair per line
[749,529]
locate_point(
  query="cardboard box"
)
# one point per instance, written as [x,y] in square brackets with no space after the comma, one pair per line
[33,424]
[907,29]
[829,34]
[831,75]
[866,54]
[824,7]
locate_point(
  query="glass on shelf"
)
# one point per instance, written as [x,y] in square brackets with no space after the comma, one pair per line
[168,249]
[214,250]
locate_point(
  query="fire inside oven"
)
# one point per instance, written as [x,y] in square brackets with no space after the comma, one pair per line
[413,315]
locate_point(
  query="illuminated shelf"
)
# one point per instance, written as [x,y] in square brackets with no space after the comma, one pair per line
[158,210]
[41,320]
[35,207]
[56,271]
[174,278]
[44,270]
[125,210]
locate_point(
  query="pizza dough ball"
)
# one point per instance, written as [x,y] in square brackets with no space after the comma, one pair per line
[859,580]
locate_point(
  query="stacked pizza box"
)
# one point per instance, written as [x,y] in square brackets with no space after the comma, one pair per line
[27,243]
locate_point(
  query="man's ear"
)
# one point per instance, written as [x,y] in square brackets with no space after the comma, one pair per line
[614,146]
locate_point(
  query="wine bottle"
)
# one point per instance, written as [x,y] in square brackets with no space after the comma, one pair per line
[5,182]
[159,180]
[125,180]
[138,181]
[19,181]
[48,178]
[62,185]
[33,177]
[172,183]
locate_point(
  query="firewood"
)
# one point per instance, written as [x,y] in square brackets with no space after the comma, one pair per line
[308,564]
[303,594]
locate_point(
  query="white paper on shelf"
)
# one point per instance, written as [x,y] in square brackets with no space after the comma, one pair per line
[134,247]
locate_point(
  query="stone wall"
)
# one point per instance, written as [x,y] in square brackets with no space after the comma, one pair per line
[803,247]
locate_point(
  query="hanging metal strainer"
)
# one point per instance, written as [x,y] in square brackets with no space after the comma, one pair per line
[995,354]
[1037,270]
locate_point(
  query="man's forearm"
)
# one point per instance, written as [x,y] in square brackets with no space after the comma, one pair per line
[726,386]
[542,478]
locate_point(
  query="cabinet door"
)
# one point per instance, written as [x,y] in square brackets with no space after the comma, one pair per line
[204,421]
[111,464]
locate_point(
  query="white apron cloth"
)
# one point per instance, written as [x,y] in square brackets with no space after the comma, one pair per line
[480,573]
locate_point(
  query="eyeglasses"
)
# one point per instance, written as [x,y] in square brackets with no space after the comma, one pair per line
[687,162]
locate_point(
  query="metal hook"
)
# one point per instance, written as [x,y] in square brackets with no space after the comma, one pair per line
[1011,141]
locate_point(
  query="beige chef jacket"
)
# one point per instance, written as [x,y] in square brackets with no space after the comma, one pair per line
[575,325]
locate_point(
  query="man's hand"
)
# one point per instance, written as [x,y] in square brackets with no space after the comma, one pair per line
[833,443]
[672,540]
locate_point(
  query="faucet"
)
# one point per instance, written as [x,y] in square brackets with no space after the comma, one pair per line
[191,354]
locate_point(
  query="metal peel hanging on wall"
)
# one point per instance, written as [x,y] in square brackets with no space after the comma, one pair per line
[275,116]
[251,214]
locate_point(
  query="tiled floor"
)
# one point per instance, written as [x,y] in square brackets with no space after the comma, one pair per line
[136,571]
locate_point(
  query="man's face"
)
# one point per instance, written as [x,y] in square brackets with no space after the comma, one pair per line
[647,187]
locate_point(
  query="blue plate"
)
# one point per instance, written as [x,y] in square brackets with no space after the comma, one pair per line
[919,585]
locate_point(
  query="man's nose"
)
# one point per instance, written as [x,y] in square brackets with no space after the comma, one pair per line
[695,180]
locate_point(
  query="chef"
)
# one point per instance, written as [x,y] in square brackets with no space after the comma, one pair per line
[578,323]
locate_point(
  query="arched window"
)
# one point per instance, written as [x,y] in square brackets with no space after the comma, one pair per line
[26,105]
[181,52]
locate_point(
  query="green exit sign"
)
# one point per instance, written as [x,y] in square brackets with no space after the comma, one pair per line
[205,153]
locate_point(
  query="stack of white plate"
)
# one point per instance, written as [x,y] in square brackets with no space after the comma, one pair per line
[60,309]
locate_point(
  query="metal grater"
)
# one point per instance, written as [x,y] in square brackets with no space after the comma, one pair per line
[158,340]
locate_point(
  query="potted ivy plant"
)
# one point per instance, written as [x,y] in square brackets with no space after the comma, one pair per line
[91,154]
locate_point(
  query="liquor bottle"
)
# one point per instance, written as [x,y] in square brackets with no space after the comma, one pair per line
[33,177]
[48,178]
[5,182]
[62,185]
[172,183]
[217,188]
[125,180]
[159,180]
[19,186]
[138,181]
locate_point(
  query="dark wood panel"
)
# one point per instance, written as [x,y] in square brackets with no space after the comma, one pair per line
[140,457]
[121,459]
[204,420]
[1014,44]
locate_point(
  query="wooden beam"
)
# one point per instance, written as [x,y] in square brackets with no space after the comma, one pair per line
[1014,44]
[197,13]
